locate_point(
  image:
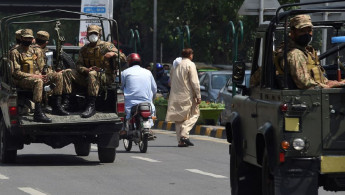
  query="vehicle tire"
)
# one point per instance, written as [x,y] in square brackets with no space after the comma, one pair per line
[106,155]
[7,156]
[127,144]
[267,178]
[82,148]
[244,177]
[143,143]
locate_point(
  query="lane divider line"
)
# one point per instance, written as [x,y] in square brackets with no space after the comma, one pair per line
[3,176]
[206,173]
[145,159]
[31,191]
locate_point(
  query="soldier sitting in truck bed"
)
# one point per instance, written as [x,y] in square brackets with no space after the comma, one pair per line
[304,65]
[27,65]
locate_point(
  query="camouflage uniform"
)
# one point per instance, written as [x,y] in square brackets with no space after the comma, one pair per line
[66,86]
[26,63]
[304,66]
[94,57]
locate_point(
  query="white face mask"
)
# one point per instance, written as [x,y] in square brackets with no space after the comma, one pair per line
[93,38]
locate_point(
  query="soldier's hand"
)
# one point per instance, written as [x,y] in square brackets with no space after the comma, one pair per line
[109,54]
[44,78]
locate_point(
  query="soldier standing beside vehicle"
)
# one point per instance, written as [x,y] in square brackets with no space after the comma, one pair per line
[27,63]
[94,67]
[184,97]
[304,65]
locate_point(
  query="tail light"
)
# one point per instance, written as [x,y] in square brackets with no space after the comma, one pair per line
[145,113]
[120,107]
[13,109]
[120,102]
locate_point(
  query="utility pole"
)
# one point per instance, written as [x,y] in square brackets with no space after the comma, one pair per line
[154,60]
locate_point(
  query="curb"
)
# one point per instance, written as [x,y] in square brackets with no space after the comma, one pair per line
[212,131]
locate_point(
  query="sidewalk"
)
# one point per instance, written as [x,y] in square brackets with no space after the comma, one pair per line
[212,131]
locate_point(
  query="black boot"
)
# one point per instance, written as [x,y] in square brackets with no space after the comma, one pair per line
[91,107]
[65,102]
[57,108]
[39,116]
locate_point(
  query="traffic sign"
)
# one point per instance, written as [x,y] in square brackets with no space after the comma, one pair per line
[252,7]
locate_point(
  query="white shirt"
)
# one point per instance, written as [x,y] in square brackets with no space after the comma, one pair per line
[138,86]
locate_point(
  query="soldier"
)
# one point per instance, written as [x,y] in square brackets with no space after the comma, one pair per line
[28,63]
[304,65]
[18,39]
[94,66]
[42,39]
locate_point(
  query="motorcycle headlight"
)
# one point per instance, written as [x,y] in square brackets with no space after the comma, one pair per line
[298,144]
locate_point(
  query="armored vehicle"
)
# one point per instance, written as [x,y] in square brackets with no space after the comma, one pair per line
[17,127]
[286,140]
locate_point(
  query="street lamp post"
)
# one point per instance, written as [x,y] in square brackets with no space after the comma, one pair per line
[154,37]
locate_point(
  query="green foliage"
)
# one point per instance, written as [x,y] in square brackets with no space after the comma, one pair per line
[160,101]
[204,104]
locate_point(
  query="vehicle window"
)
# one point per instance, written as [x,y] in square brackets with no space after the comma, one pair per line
[202,79]
[219,80]
[206,81]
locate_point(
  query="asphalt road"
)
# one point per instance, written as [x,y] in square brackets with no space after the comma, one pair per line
[165,169]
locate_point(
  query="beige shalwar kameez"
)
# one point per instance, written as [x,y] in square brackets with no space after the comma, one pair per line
[185,88]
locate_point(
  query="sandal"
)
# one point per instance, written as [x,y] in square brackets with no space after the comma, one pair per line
[186,141]
[182,144]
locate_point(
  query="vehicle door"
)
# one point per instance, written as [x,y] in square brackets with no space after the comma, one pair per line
[204,86]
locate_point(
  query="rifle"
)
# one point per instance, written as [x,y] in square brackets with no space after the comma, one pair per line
[59,60]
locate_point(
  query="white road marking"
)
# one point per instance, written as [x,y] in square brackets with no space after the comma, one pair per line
[206,173]
[94,147]
[3,177]
[145,159]
[31,191]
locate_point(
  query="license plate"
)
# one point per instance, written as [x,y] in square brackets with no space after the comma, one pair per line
[147,124]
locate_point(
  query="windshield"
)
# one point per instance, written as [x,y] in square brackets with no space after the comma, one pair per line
[219,80]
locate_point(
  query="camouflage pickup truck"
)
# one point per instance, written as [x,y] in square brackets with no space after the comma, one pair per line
[286,140]
[17,127]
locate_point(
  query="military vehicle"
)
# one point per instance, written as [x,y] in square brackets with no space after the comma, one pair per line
[17,127]
[286,140]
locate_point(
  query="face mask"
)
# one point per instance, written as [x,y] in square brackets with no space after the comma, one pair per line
[93,38]
[26,43]
[304,40]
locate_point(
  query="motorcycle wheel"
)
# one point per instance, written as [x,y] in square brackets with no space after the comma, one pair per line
[143,143]
[127,144]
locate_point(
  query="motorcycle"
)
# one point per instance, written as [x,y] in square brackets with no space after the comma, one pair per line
[138,127]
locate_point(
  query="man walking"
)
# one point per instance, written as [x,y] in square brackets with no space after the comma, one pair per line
[184,98]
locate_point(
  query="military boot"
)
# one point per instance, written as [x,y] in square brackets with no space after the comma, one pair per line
[91,107]
[57,108]
[65,102]
[39,116]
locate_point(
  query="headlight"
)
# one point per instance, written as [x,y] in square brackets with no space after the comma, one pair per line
[298,144]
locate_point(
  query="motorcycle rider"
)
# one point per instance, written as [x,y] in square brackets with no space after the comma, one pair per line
[138,86]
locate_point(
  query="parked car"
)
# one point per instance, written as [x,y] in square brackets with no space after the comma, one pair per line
[225,97]
[211,82]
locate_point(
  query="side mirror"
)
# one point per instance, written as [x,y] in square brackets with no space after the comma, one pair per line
[239,69]
[202,88]
[229,88]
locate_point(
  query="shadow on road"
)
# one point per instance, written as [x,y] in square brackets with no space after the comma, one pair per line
[50,160]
